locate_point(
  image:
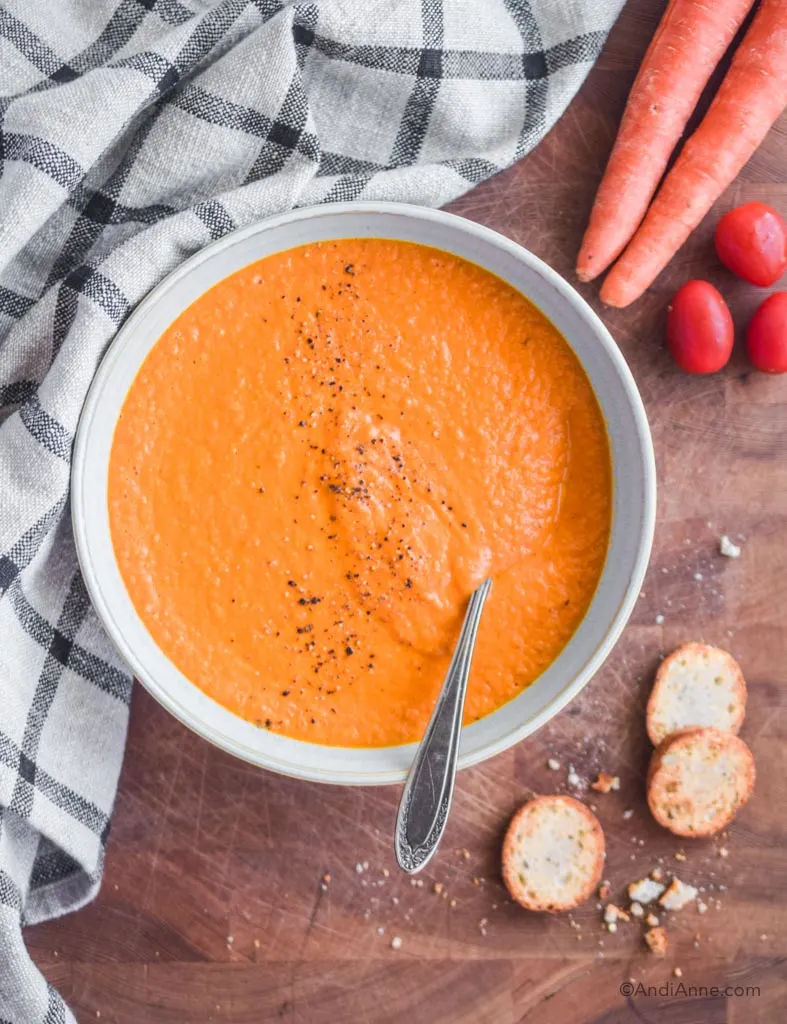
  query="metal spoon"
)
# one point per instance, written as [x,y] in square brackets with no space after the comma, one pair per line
[423,810]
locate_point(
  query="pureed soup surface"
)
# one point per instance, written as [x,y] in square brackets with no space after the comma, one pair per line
[320,460]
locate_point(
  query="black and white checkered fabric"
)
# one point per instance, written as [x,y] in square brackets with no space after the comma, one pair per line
[132,133]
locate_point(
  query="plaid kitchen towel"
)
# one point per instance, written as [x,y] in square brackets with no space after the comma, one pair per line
[132,133]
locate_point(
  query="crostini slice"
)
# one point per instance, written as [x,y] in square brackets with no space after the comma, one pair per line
[698,779]
[696,685]
[553,854]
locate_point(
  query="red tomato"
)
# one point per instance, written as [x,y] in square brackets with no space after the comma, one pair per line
[700,331]
[752,242]
[766,338]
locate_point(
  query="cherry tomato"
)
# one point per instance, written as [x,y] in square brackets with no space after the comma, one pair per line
[751,241]
[766,338]
[700,331]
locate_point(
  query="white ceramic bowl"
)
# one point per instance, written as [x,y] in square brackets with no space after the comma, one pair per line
[633,471]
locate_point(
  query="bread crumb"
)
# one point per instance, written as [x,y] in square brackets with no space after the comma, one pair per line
[659,620]
[437,887]
[652,921]
[396,942]
[627,814]
[604,783]
[452,904]
[326,878]
[613,914]
[574,780]
[359,869]
[604,890]
[677,972]
[381,930]
[645,890]
[612,927]
[257,943]
[728,549]
[636,910]
[656,939]
[723,851]
[553,764]
[680,855]
[657,874]
[386,872]
[677,895]
[702,908]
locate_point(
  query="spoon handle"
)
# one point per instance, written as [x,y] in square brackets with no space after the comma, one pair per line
[423,809]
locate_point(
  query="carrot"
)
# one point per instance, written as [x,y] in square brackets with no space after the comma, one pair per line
[691,39]
[750,99]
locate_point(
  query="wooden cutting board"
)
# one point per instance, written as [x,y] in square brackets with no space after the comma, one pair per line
[213,907]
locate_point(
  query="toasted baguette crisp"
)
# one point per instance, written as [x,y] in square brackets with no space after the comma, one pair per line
[696,685]
[698,779]
[553,854]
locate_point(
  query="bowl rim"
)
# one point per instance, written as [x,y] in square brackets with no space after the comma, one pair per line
[645,454]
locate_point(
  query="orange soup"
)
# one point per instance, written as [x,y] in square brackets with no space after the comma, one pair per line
[324,455]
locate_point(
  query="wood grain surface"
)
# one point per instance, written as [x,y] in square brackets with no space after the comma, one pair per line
[213,907]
